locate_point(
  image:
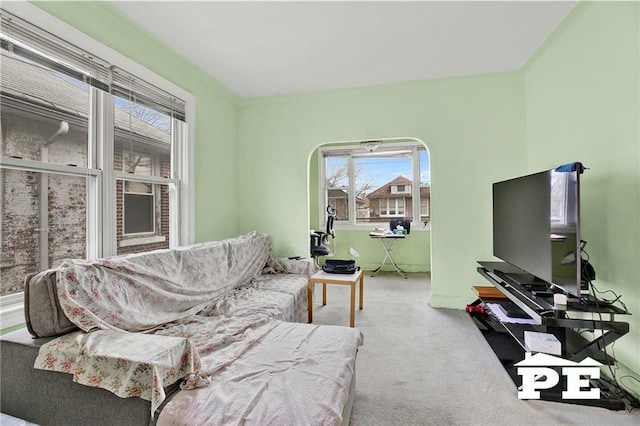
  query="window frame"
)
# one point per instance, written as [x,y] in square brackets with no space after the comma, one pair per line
[351,151]
[101,184]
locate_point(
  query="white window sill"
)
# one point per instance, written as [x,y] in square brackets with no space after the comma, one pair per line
[142,240]
[415,227]
[11,310]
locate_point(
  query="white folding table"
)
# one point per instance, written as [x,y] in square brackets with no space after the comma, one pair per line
[388,241]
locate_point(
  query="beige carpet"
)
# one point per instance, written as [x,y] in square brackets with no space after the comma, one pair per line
[425,366]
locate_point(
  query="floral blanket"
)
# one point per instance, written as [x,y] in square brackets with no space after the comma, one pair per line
[142,365]
[126,364]
[152,318]
[143,291]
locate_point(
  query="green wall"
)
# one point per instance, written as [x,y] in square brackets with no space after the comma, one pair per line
[216,148]
[472,126]
[583,104]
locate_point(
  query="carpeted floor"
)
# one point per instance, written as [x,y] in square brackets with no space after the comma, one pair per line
[425,366]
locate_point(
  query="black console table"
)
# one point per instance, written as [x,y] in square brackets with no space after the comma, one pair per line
[535,299]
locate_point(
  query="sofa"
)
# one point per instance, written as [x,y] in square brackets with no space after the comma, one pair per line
[207,334]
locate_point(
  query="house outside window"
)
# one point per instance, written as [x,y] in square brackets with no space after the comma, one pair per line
[370,187]
[63,125]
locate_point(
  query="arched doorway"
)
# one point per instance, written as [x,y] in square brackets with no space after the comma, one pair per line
[368,183]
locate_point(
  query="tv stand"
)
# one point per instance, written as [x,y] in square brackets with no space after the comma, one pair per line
[507,338]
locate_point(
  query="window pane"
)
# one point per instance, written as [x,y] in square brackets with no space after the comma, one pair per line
[339,200]
[138,187]
[142,146]
[139,213]
[43,223]
[142,218]
[337,181]
[44,114]
[142,140]
[337,172]
[383,185]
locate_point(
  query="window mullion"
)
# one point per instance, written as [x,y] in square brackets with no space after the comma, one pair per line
[94,189]
[352,190]
[39,166]
[179,223]
[142,178]
[105,125]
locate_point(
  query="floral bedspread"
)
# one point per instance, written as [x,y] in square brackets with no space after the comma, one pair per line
[127,364]
[147,320]
[142,365]
[142,291]
[295,286]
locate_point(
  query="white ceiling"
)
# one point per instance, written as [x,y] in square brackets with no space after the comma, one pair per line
[266,48]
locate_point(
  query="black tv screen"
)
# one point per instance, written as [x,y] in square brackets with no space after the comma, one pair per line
[536,226]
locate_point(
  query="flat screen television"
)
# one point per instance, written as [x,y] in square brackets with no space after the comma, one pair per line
[536,226]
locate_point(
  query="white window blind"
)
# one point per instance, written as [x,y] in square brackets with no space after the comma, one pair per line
[127,86]
[35,45]
[20,38]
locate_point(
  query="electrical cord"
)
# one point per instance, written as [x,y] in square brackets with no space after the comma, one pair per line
[617,298]
[619,390]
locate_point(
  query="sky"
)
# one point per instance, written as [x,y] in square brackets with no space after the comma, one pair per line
[379,170]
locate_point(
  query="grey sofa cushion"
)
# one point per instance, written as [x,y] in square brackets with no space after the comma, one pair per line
[42,312]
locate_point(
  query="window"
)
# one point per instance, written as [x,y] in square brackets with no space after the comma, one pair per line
[337,172]
[400,189]
[368,187]
[95,161]
[424,207]
[142,147]
[138,209]
[559,185]
[43,222]
[392,207]
[44,175]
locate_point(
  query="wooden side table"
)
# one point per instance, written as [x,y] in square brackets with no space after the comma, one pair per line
[342,279]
